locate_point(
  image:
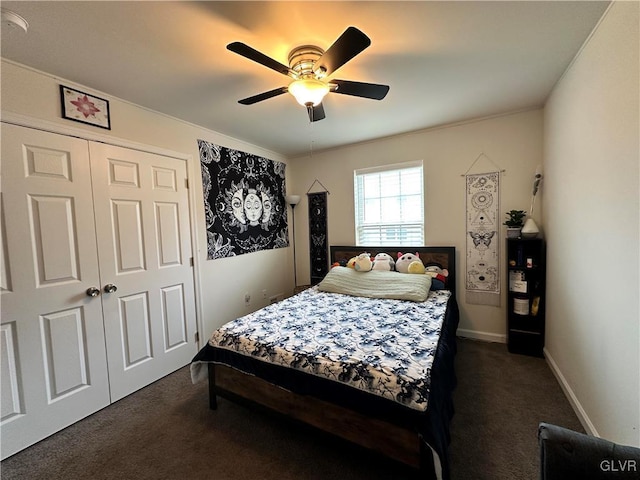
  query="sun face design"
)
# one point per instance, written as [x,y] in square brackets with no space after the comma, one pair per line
[266,207]
[246,207]
[244,200]
[237,206]
[253,207]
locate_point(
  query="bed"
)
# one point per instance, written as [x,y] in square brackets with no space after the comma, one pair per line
[378,372]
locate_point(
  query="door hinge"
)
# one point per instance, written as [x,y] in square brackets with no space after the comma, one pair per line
[186,183]
[191,261]
[197,337]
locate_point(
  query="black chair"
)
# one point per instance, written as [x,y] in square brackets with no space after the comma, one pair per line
[568,455]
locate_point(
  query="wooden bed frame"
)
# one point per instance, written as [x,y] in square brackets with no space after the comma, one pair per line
[384,437]
[397,442]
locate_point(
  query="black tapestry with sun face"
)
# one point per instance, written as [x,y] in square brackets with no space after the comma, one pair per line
[243,200]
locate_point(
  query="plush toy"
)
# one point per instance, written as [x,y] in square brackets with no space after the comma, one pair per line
[438,275]
[383,261]
[416,267]
[405,259]
[351,263]
[363,263]
[340,263]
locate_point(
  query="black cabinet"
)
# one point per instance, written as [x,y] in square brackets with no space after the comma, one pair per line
[526,262]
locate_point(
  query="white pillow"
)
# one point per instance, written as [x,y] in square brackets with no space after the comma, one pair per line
[376,284]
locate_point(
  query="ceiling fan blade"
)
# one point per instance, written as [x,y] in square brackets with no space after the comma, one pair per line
[348,45]
[253,54]
[315,113]
[361,89]
[263,96]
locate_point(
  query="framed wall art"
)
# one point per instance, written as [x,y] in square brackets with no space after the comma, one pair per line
[244,204]
[84,108]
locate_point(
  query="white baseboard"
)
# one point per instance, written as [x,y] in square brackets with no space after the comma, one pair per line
[573,400]
[484,336]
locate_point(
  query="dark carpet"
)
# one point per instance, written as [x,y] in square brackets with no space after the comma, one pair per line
[166,431]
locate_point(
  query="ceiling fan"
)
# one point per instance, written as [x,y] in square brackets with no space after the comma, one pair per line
[309,66]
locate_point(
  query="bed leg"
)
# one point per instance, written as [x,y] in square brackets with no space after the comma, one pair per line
[213,399]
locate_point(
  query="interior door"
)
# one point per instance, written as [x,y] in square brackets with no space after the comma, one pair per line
[52,347]
[141,203]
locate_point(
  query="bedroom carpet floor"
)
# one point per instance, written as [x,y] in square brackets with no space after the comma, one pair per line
[166,431]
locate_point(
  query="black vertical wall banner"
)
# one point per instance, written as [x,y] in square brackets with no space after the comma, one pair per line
[318,250]
[243,201]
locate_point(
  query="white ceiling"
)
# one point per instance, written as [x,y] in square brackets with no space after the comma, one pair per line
[444,61]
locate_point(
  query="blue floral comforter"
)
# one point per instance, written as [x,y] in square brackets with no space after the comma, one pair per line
[385,347]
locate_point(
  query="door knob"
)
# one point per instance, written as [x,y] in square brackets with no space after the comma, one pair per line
[93,292]
[110,288]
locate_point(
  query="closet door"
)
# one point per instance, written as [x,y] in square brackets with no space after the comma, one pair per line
[141,204]
[52,344]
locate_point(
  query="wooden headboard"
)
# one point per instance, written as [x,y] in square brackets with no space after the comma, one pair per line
[444,256]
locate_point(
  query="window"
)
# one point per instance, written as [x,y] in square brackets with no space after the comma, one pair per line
[389,205]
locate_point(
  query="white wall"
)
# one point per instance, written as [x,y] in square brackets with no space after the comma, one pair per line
[591,219]
[513,142]
[223,282]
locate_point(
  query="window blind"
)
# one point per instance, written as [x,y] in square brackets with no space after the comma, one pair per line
[389,206]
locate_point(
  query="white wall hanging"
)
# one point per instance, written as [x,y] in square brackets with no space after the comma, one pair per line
[482,245]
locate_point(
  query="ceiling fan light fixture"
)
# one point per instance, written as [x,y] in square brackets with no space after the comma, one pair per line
[309,68]
[308,91]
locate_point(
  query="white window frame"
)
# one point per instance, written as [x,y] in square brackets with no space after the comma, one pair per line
[411,233]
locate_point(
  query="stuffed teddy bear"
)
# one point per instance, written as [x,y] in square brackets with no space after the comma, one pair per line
[405,259]
[351,263]
[438,275]
[383,261]
[363,263]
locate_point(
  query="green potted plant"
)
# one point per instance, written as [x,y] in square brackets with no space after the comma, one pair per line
[514,222]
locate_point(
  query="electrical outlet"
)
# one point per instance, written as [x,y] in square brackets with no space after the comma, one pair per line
[264,294]
[276,298]
[247,299]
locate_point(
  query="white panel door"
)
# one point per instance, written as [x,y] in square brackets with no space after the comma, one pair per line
[143,234]
[52,346]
